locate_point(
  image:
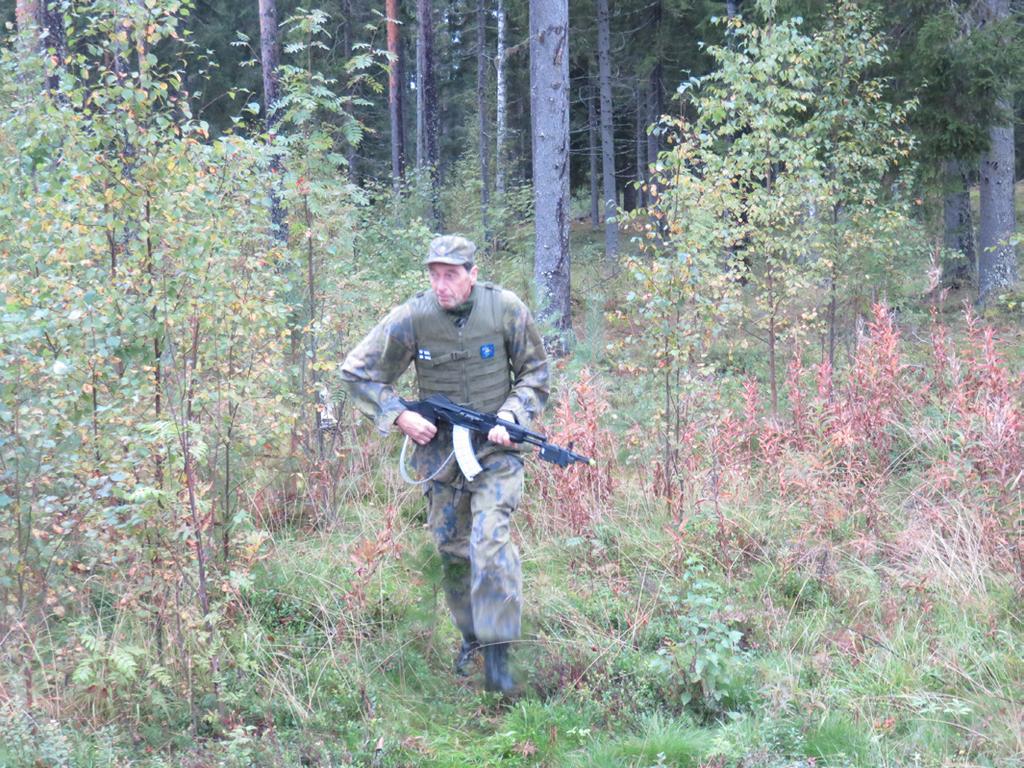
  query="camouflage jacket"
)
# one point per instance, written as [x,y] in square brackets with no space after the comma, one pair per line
[372,368]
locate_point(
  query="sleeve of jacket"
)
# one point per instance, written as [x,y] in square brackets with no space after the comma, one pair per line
[371,369]
[528,361]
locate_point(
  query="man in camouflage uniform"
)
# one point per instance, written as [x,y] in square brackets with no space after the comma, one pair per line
[477,344]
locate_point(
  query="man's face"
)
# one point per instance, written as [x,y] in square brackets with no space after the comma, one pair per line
[451,283]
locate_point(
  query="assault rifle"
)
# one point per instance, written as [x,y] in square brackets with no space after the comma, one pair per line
[465,421]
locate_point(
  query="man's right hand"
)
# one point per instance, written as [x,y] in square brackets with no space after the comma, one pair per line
[416,427]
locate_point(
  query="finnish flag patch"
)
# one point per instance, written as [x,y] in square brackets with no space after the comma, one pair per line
[423,354]
[487,351]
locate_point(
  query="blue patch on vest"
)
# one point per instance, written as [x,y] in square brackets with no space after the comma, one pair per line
[487,351]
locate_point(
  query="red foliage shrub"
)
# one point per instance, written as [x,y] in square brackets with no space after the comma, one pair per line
[367,556]
[961,419]
[795,393]
[577,497]
[872,399]
[985,432]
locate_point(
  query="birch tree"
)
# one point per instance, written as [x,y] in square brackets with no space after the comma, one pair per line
[270,61]
[395,94]
[40,27]
[29,21]
[501,103]
[481,108]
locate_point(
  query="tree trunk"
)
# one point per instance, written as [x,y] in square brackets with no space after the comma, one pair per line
[40,25]
[997,260]
[481,108]
[501,111]
[595,184]
[958,232]
[524,139]
[350,21]
[611,230]
[429,115]
[833,311]
[549,108]
[56,38]
[641,147]
[395,95]
[347,22]
[655,107]
[773,376]
[28,17]
[270,56]
[421,153]
[629,197]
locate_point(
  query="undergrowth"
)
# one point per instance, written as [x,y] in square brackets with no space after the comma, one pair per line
[837,587]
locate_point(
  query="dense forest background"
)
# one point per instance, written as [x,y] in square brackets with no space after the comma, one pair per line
[773,249]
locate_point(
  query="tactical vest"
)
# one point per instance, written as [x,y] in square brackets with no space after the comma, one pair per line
[468,364]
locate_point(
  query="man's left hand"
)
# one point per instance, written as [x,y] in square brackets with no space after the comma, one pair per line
[498,433]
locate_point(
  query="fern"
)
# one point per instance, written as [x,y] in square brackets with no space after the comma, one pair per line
[84,674]
[92,643]
[124,663]
[160,675]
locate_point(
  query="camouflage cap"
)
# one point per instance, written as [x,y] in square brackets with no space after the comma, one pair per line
[450,249]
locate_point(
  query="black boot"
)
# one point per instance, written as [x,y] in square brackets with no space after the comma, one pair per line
[466,656]
[496,674]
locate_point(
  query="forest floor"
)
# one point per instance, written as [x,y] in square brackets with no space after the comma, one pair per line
[777,620]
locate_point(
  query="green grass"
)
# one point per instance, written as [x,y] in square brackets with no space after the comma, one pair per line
[839,663]
[659,742]
[899,649]
[839,740]
[592,694]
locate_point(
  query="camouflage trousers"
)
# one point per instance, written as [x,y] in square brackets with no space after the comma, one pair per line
[471,526]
